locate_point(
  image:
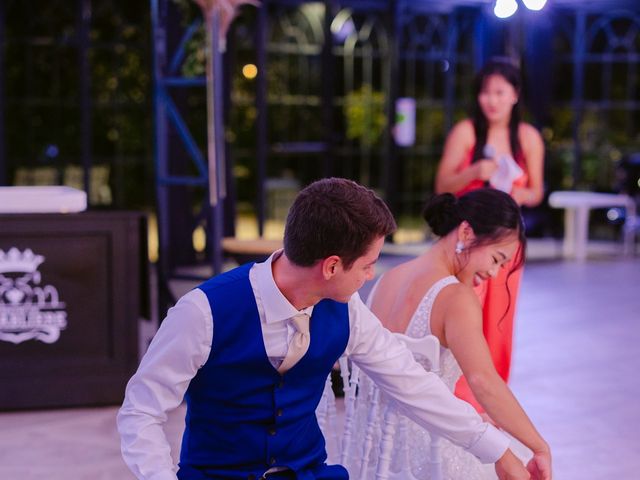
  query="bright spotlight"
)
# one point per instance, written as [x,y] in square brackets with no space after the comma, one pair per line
[534,4]
[505,8]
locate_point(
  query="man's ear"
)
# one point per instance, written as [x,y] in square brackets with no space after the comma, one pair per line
[330,266]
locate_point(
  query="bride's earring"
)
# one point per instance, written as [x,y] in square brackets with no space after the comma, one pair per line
[459,247]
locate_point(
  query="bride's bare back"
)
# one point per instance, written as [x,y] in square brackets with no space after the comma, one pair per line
[401,289]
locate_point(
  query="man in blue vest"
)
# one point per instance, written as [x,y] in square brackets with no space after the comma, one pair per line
[249,351]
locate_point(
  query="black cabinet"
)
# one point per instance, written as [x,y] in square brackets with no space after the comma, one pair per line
[72,290]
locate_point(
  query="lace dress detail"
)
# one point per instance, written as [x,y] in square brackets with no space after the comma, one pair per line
[420,325]
[456,463]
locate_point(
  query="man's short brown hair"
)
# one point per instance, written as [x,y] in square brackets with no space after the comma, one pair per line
[335,216]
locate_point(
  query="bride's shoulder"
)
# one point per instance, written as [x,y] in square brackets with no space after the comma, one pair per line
[458,297]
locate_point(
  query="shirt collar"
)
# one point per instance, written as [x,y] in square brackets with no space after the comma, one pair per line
[275,304]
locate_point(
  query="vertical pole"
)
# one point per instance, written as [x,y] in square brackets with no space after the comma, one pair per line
[211,22]
[229,214]
[3,163]
[578,85]
[215,135]
[538,53]
[85,93]
[390,161]
[261,107]
[328,89]
[480,39]
[161,148]
[449,75]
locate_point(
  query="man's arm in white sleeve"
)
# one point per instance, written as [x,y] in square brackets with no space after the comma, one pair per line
[180,347]
[422,395]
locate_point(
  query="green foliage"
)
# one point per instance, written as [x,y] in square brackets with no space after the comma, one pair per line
[430,129]
[560,150]
[44,91]
[189,10]
[604,138]
[195,60]
[365,115]
[194,63]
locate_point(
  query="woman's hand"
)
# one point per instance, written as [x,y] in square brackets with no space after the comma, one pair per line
[485,168]
[524,196]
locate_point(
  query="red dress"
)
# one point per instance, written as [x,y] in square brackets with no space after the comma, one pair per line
[498,303]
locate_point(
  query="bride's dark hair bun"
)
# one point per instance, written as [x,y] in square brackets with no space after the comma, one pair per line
[442,213]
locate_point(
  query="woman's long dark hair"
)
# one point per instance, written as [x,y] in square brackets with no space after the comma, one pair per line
[512,75]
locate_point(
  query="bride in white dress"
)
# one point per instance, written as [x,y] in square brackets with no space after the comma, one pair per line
[432,294]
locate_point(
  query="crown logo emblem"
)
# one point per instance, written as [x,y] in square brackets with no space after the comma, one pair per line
[28,310]
[16,261]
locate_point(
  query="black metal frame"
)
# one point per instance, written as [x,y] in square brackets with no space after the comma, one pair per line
[67,102]
[428,50]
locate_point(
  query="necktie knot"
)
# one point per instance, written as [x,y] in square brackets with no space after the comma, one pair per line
[301,323]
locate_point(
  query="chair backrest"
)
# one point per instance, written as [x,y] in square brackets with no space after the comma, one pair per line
[337,431]
[427,347]
[392,422]
[350,380]
[326,414]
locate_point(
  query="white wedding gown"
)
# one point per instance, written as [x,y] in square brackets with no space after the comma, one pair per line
[457,464]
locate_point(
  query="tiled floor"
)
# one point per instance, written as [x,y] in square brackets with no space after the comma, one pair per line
[577,362]
[575,371]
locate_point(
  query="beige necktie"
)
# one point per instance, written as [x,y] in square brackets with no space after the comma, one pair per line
[299,343]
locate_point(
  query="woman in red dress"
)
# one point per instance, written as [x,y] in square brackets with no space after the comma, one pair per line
[495,149]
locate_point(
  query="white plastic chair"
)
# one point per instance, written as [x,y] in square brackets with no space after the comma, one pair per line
[393,422]
[326,414]
[350,380]
[338,441]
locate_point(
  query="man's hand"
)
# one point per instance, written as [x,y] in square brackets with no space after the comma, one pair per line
[508,467]
[540,466]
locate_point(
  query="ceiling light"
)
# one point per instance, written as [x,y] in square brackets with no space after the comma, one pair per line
[534,4]
[505,8]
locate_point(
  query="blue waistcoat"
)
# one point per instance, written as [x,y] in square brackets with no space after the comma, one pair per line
[243,417]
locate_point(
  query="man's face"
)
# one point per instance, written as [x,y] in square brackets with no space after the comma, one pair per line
[346,282]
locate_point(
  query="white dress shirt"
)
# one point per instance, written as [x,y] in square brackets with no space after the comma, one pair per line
[183,343]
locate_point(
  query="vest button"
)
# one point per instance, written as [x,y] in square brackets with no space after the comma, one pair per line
[273,460]
[272,431]
[279,412]
[281,384]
